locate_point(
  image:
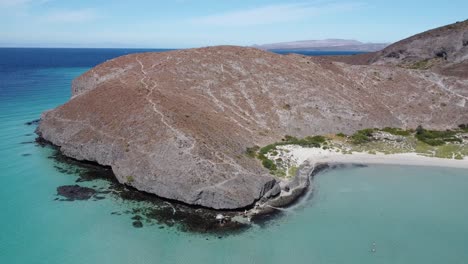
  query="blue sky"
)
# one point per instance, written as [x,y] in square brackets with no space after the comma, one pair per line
[195,23]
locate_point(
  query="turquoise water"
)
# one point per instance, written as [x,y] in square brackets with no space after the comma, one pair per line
[412,214]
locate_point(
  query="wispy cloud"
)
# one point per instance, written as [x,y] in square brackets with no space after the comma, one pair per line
[19,3]
[71,16]
[273,14]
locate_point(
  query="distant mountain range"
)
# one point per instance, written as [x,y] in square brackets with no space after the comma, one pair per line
[325,45]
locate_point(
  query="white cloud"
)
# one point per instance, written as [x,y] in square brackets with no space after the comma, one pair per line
[71,16]
[272,14]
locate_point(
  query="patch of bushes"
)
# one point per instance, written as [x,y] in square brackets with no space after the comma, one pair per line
[362,136]
[436,138]
[279,173]
[269,164]
[396,131]
[315,141]
[268,148]
[341,135]
[421,65]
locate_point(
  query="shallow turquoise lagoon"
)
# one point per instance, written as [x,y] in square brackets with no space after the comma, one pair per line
[375,214]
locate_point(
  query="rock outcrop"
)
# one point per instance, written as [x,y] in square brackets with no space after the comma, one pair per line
[177,123]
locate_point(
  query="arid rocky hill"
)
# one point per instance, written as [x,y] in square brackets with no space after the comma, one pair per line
[443,50]
[447,44]
[177,123]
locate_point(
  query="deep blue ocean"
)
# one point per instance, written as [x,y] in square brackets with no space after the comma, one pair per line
[375,214]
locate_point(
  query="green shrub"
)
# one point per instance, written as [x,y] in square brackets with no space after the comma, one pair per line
[359,138]
[268,148]
[341,135]
[130,179]
[269,164]
[419,130]
[362,136]
[368,131]
[436,138]
[396,131]
[421,65]
[317,139]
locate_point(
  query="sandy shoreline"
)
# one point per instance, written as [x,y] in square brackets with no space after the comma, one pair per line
[311,161]
[317,156]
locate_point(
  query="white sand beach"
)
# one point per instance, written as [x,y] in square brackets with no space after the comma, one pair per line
[317,155]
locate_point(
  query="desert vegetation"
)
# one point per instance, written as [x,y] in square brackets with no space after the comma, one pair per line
[451,144]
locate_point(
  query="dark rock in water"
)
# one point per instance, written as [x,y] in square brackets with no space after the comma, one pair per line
[27,142]
[137,218]
[162,212]
[137,224]
[99,197]
[25,154]
[33,122]
[42,142]
[75,192]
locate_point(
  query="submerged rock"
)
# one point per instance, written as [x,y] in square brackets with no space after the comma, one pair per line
[33,122]
[137,224]
[75,192]
[177,124]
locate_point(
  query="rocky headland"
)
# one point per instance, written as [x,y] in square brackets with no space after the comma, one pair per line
[177,124]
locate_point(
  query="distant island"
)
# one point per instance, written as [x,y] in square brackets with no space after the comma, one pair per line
[325,45]
[239,128]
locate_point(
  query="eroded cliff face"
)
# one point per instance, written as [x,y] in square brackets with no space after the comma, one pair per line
[177,124]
